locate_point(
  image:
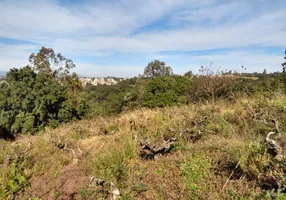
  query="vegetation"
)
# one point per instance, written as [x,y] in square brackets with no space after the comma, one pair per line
[202,137]
[227,161]
[284,64]
[166,91]
[157,68]
[39,95]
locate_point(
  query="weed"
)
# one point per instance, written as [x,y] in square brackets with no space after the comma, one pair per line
[12,180]
[254,161]
[113,166]
[194,171]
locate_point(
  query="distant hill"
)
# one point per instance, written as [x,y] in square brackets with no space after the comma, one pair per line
[3,73]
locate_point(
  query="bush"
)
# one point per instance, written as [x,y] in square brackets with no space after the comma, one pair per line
[205,88]
[12,181]
[166,91]
[194,171]
[266,84]
[38,95]
[109,99]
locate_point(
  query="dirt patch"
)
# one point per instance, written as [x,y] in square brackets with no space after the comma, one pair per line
[67,186]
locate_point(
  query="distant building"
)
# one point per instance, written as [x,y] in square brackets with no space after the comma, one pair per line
[99,81]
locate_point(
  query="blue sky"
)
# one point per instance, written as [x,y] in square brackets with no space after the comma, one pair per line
[120,37]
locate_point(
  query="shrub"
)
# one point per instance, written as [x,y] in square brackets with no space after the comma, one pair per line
[194,171]
[39,95]
[12,181]
[113,166]
[205,88]
[166,91]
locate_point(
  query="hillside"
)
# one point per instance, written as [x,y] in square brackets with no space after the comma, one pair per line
[203,151]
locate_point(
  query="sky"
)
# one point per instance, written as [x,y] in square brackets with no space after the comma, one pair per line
[120,37]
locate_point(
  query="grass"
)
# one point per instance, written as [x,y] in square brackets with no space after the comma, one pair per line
[195,169]
[227,162]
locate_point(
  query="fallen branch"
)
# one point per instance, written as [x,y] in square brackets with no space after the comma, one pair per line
[275,148]
[149,152]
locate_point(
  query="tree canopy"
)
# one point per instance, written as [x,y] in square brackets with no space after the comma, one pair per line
[166,91]
[157,68]
[284,64]
[189,74]
[38,95]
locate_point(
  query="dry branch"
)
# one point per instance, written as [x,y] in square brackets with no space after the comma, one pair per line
[148,151]
[275,148]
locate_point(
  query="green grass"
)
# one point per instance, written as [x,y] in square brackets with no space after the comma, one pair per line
[229,161]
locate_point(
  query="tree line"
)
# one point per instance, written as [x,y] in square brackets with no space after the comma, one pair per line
[45,92]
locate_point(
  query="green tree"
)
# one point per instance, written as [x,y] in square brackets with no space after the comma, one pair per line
[188,74]
[157,68]
[264,72]
[166,91]
[39,95]
[284,64]
[46,60]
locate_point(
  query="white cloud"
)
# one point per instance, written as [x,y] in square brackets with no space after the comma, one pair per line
[40,20]
[105,26]
[253,61]
[213,13]
[14,55]
[123,71]
[102,28]
[266,30]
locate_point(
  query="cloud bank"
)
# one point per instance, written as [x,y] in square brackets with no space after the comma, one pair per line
[106,37]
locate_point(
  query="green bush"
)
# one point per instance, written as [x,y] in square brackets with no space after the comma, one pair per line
[113,166]
[109,99]
[12,181]
[194,171]
[37,95]
[165,91]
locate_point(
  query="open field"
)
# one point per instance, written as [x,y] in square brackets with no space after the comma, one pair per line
[219,153]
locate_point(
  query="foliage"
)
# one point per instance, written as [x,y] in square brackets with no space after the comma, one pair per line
[12,181]
[114,165]
[284,64]
[228,162]
[47,61]
[135,97]
[189,74]
[211,88]
[263,85]
[157,68]
[159,88]
[109,99]
[194,171]
[40,95]
[166,91]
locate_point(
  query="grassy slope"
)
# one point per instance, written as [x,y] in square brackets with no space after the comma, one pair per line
[192,170]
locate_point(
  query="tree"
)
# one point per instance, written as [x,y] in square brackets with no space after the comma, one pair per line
[46,60]
[39,95]
[284,64]
[264,72]
[189,74]
[165,91]
[157,68]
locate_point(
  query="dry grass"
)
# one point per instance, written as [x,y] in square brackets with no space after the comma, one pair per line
[193,170]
